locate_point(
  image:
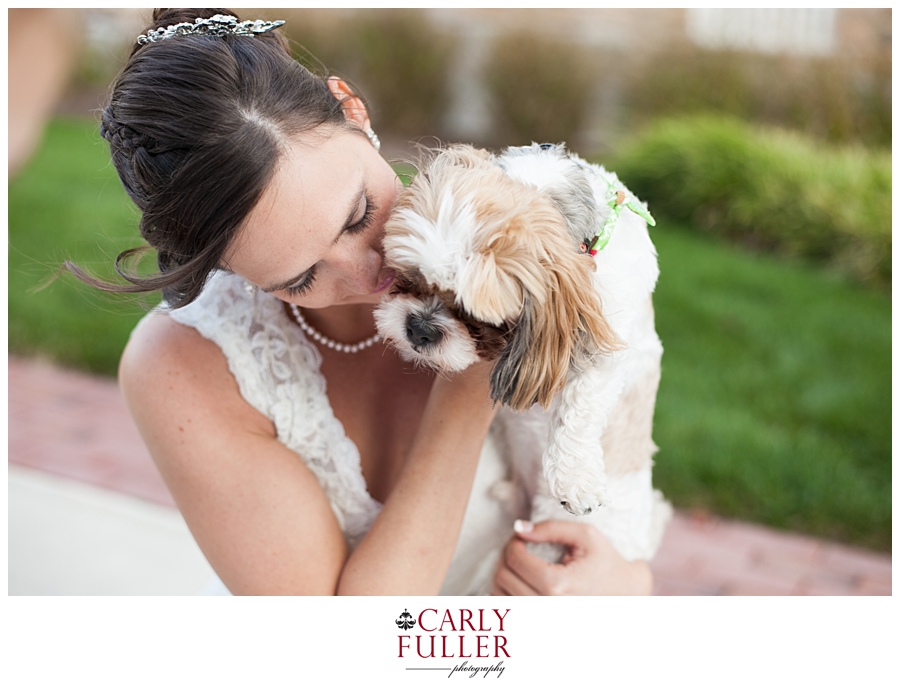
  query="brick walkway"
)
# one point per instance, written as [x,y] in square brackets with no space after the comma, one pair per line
[76,425]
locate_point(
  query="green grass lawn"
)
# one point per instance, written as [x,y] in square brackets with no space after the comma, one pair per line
[775,398]
[68,204]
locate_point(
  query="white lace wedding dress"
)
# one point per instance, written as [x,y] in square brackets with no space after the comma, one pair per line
[277,371]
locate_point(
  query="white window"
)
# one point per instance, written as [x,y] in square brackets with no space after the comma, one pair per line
[799,31]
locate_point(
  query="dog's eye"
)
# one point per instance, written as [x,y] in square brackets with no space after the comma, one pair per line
[402,285]
[485,332]
[489,340]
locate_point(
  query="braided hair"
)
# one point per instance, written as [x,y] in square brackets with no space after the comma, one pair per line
[196,125]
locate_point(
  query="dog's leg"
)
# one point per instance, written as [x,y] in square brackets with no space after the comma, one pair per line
[573,463]
[544,507]
[633,522]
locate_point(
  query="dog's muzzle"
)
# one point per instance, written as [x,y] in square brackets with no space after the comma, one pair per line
[422,333]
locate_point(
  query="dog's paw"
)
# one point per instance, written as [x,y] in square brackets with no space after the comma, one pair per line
[580,508]
[583,496]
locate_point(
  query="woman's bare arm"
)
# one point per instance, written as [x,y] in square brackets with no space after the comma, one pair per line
[409,548]
[258,513]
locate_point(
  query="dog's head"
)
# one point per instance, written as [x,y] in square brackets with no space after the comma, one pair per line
[486,267]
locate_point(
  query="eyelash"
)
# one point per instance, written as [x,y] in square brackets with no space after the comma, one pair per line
[305,286]
[366,219]
[357,228]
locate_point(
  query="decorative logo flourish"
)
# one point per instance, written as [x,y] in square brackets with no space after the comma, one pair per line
[405,621]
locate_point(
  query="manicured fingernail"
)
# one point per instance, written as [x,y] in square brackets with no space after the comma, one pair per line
[523,526]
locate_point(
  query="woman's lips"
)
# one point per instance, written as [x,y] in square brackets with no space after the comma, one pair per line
[385,283]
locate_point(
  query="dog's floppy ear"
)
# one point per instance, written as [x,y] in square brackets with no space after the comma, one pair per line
[504,268]
[561,326]
[505,376]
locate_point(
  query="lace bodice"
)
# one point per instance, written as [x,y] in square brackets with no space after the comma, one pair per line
[277,370]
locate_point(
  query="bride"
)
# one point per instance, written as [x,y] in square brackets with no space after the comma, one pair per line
[305,455]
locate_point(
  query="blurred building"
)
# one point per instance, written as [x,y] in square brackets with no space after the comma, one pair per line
[43,44]
[49,48]
[637,34]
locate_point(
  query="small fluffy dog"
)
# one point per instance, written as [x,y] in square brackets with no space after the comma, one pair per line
[540,263]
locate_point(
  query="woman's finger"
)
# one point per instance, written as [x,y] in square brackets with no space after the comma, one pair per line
[496,590]
[544,577]
[511,584]
[565,532]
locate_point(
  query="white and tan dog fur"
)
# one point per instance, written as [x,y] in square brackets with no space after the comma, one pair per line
[489,254]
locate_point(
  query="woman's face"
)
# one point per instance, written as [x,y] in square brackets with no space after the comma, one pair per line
[314,238]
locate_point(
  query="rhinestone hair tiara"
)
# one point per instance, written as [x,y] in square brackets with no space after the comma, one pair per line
[218,25]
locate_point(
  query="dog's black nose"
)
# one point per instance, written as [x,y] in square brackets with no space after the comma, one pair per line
[420,332]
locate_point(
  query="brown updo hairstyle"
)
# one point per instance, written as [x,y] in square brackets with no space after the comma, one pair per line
[196,125]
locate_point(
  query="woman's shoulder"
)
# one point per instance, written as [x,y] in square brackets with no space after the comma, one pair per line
[225,322]
[193,343]
[171,368]
[231,338]
[161,348]
[162,339]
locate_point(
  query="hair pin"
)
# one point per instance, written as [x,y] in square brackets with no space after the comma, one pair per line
[217,25]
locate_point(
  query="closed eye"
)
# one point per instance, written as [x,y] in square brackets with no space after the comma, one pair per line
[363,222]
[305,286]
[360,226]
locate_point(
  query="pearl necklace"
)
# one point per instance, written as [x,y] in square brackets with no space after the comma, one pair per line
[328,342]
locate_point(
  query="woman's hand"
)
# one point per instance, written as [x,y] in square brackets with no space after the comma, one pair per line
[590,566]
